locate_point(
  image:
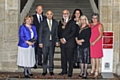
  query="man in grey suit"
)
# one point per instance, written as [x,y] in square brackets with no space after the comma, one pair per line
[48,39]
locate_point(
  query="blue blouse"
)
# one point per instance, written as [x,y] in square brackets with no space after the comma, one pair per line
[24,35]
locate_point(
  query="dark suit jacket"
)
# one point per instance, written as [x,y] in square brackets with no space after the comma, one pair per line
[68,33]
[44,33]
[36,22]
[84,34]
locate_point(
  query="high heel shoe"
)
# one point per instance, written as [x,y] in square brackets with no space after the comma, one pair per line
[30,74]
[81,74]
[96,74]
[92,72]
[85,75]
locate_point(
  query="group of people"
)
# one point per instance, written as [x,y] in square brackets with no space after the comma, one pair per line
[39,35]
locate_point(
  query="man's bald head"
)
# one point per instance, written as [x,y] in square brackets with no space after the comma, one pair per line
[66,11]
[39,9]
[49,14]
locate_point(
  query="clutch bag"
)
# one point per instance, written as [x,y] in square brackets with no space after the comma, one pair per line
[32,40]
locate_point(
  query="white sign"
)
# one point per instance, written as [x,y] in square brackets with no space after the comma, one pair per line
[107,60]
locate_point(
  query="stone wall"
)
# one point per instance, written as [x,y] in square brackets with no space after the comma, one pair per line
[8,34]
[110,18]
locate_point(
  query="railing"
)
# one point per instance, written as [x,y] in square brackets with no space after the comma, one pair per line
[96,2]
[22,4]
[26,9]
[94,5]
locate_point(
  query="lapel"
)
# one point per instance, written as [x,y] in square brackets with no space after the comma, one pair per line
[52,25]
[36,18]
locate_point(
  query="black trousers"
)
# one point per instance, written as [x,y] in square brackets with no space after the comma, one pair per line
[67,56]
[38,53]
[48,53]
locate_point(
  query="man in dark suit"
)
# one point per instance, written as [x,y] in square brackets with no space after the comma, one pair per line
[66,32]
[38,18]
[48,39]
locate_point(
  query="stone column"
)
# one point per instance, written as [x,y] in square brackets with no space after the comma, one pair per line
[110,18]
[8,34]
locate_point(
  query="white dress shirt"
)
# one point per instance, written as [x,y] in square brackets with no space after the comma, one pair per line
[38,16]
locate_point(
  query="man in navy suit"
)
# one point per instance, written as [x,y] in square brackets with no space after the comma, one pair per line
[37,19]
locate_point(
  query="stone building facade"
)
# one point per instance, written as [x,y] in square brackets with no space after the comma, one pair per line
[109,11]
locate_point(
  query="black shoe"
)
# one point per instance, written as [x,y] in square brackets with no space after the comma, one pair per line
[62,73]
[85,75]
[51,73]
[39,64]
[69,76]
[30,74]
[35,66]
[43,74]
[26,76]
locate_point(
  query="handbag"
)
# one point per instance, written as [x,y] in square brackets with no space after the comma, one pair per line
[32,40]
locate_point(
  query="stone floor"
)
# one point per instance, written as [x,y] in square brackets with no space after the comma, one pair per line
[38,76]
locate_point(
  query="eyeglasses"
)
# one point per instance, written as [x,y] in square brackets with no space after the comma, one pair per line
[94,18]
[65,13]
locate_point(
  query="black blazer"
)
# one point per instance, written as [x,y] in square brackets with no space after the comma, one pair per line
[44,33]
[36,22]
[68,33]
[84,34]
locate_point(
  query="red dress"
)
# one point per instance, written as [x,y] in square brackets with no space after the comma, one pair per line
[96,49]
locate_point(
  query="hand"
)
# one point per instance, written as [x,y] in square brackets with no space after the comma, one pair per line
[29,43]
[41,45]
[93,43]
[82,40]
[57,44]
[79,42]
[62,41]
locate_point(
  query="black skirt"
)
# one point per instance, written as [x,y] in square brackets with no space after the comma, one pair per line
[83,55]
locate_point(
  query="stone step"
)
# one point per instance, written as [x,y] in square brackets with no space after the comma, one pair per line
[60,3]
[57,55]
[57,1]
[68,6]
[59,15]
[57,12]
[56,70]
[59,67]
[57,49]
[62,8]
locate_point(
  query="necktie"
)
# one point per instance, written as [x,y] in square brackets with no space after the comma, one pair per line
[40,19]
[50,27]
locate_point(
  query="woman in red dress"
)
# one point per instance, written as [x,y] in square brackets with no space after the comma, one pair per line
[96,44]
